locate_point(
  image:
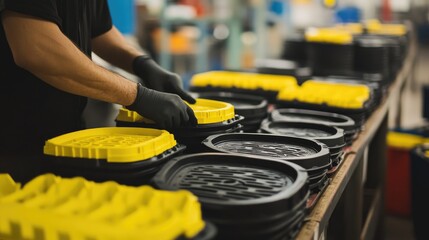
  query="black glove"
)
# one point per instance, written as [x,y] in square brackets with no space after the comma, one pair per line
[159,79]
[166,110]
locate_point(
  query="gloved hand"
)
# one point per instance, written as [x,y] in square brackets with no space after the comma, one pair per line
[166,110]
[159,79]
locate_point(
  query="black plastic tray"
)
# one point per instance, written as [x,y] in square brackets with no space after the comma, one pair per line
[304,152]
[135,173]
[103,165]
[333,137]
[236,185]
[309,116]
[358,115]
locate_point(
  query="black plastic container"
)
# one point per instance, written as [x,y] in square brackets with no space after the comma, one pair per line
[310,116]
[331,59]
[372,56]
[191,136]
[358,115]
[134,173]
[295,48]
[300,71]
[304,152]
[310,154]
[419,191]
[245,197]
[253,108]
[331,136]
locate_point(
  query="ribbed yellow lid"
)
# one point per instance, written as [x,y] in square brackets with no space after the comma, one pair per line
[243,80]
[7,185]
[74,208]
[115,144]
[375,27]
[329,35]
[206,111]
[332,94]
[403,140]
[353,28]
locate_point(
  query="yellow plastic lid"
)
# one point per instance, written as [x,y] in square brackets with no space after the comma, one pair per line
[243,80]
[7,185]
[74,208]
[353,28]
[206,111]
[329,35]
[329,3]
[114,144]
[403,140]
[375,27]
[350,96]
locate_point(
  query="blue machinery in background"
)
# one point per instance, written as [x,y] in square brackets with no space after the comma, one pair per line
[123,15]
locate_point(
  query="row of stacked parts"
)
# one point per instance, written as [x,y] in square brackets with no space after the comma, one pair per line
[256,175]
[258,183]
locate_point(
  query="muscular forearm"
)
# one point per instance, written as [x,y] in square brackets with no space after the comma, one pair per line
[112,47]
[39,47]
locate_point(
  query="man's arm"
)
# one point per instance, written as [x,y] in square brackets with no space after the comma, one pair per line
[42,49]
[114,48]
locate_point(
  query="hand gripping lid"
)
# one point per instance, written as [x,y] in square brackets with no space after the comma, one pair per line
[206,111]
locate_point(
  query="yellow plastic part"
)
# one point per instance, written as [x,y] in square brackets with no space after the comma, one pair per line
[7,185]
[329,3]
[77,209]
[353,28]
[242,80]
[329,35]
[404,140]
[206,111]
[113,144]
[375,27]
[332,94]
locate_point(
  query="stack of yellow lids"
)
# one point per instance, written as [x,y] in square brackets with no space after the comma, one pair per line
[353,28]
[116,145]
[375,27]
[242,80]
[329,35]
[329,93]
[51,207]
[206,111]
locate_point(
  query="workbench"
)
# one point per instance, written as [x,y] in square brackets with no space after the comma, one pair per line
[352,206]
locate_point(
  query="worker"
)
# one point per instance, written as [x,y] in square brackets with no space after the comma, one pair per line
[46,76]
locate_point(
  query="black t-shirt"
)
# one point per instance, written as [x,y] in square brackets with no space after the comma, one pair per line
[33,111]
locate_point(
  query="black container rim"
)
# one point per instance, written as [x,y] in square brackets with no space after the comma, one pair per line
[209,232]
[356,114]
[338,120]
[260,219]
[320,185]
[320,158]
[288,198]
[187,129]
[258,108]
[335,140]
